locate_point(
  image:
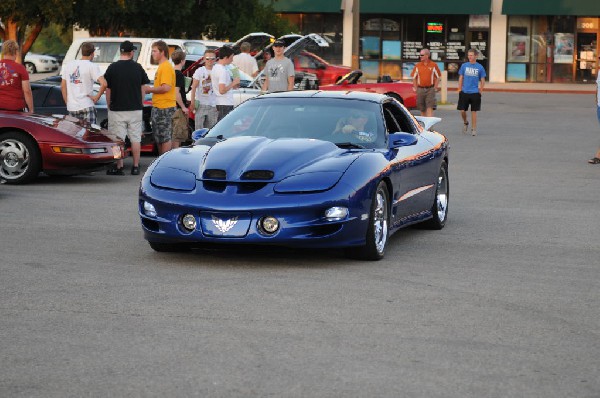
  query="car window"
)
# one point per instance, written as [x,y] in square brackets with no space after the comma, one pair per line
[392,111]
[194,48]
[337,121]
[39,95]
[108,52]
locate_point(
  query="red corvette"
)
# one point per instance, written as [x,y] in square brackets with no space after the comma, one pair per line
[402,91]
[55,145]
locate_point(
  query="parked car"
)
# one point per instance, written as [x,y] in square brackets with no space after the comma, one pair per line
[402,91]
[301,177]
[38,63]
[48,100]
[55,145]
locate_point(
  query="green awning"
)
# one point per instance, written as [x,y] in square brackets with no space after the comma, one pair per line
[304,6]
[433,7]
[552,7]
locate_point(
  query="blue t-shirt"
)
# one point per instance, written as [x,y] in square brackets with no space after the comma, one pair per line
[471,74]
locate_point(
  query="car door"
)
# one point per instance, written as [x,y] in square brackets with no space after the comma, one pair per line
[411,166]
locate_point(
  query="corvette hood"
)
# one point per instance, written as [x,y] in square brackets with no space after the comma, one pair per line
[232,159]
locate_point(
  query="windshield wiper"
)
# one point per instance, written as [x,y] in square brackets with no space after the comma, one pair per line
[349,145]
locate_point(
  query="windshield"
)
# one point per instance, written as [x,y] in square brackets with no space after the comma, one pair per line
[194,48]
[343,122]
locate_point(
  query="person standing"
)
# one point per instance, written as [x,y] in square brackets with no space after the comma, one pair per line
[180,117]
[426,77]
[596,158]
[15,89]
[163,97]
[471,81]
[246,62]
[223,83]
[206,114]
[279,71]
[267,54]
[124,81]
[77,85]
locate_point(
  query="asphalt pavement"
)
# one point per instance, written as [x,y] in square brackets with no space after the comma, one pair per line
[502,302]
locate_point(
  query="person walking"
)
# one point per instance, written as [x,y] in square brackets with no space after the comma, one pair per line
[203,104]
[471,81]
[77,85]
[223,83]
[426,77]
[163,97]
[15,89]
[124,81]
[246,62]
[596,158]
[279,71]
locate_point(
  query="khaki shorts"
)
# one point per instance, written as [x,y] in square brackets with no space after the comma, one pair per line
[126,123]
[181,130]
[425,98]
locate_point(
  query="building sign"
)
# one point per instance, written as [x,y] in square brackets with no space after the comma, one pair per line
[587,23]
[455,51]
[410,49]
[435,27]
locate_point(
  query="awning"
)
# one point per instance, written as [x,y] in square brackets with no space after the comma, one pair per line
[551,7]
[432,7]
[304,6]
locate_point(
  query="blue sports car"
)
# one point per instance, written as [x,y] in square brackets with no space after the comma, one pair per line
[300,169]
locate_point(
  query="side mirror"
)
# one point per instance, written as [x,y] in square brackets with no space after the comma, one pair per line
[397,140]
[196,135]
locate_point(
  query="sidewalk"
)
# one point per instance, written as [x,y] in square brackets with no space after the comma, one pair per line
[542,88]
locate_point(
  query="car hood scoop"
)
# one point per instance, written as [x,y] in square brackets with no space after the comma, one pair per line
[245,159]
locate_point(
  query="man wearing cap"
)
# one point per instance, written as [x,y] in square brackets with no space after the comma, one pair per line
[77,84]
[279,71]
[125,80]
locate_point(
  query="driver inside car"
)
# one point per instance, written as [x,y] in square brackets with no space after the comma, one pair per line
[355,125]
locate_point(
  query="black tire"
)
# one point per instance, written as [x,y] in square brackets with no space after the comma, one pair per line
[20,158]
[378,230]
[169,247]
[30,68]
[439,209]
[396,96]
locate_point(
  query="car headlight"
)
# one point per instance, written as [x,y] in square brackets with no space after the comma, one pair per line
[269,225]
[62,149]
[336,213]
[189,222]
[149,209]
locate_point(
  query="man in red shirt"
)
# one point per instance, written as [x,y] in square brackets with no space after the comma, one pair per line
[15,90]
[426,77]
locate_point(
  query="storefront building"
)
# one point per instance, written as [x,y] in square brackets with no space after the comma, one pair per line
[519,41]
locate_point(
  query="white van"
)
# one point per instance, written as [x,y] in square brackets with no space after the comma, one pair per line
[107,50]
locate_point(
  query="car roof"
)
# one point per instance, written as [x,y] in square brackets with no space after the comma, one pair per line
[345,95]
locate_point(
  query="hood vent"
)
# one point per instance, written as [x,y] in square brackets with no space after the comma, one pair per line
[214,174]
[263,175]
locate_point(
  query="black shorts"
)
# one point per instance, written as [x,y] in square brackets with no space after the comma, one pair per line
[465,99]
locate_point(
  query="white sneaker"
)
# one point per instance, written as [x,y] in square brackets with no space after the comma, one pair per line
[465,128]
[473,133]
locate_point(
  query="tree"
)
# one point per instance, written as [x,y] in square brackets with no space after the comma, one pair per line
[23,20]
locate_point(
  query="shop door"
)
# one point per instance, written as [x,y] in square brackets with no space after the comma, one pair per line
[586,67]
[478,39]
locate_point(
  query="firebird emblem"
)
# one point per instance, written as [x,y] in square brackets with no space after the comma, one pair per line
[224,226]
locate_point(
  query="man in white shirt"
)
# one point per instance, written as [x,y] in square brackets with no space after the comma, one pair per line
[202,92]
[77,85]
[246,62]
[223,83]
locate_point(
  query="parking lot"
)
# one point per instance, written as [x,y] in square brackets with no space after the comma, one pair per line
[502,302]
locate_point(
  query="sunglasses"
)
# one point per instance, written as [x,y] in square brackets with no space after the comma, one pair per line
[210,58]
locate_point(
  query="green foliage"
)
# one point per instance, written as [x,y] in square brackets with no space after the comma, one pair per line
[53,40]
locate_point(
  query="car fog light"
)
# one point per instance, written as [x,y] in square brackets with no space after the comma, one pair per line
[149,209]
[336,213]
[269,224]
[189,222]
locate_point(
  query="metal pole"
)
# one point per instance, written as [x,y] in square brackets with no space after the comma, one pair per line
[355,34]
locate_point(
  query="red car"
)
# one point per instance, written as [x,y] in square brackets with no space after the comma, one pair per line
[55,145]
[402,91]
[326,72]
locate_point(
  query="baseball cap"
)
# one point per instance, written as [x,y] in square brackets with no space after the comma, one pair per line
[127,47]
[278,43]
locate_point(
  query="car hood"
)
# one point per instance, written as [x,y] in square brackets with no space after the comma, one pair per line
[231,160]
[70,127]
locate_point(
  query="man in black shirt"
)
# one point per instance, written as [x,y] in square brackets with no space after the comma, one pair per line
[125,80]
